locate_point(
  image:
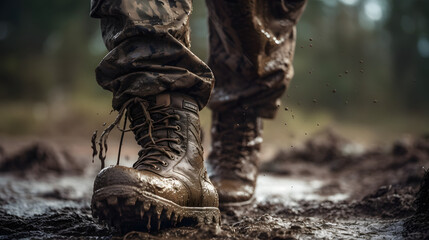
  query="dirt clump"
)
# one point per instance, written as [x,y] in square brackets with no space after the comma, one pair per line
[417,226]
[343,164]
[325,148]
[54,224]
[40,158]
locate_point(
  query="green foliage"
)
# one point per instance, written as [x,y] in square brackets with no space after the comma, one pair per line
[45,49]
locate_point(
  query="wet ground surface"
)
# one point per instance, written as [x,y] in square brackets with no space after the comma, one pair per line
[329,188]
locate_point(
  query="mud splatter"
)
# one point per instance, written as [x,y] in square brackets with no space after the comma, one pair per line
[94,145]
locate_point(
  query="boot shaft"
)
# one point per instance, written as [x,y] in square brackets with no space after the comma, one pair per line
[236,129]
[166,126]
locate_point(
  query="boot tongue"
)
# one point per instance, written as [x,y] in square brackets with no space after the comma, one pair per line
[161,103]
[138,117]
[163,99]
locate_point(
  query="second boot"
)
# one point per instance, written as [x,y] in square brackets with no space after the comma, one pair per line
[233,160]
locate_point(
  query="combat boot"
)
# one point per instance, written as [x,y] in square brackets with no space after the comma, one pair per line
[233,160]
[168,184]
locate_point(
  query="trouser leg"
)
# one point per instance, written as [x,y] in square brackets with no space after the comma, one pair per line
[252,45]
[148,43]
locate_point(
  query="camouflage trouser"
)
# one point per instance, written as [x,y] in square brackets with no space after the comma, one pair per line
[251,50]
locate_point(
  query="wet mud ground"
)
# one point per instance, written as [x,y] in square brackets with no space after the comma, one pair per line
[328,188]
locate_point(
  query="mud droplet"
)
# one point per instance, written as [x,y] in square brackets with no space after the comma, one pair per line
[306,134]
[104,124]
[375,101]
[302,46]
[361,61]
[310,39]
[286,109]
[311,45]
[339,75]
[346,102]
[309,72]
[318,125]
[346,72]
[293,116]
[361,71]
[93,145]
[314,101]
[334,91]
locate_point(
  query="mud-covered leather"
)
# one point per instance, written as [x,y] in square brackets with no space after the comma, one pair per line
[233,160]
[183,179]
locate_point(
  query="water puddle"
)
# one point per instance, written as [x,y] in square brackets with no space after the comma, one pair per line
[293,189]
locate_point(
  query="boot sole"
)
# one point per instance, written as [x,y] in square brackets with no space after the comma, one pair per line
[227,205]
[127,208]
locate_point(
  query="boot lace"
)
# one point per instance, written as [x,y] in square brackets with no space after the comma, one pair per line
[234,143]
[152,152]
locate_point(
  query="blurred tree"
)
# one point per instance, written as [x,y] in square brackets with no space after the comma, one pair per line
[44,47]
[408,24]
[345,61]
[51,47]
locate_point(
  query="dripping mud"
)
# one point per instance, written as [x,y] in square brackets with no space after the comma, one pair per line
[327,188]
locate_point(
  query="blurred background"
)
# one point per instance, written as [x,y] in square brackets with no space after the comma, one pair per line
[361,68]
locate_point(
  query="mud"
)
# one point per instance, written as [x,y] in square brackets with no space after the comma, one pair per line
[328,188]
[418,225]
[38,159]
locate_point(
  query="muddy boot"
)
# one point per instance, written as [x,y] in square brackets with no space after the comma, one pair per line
[233,161]
[168,184]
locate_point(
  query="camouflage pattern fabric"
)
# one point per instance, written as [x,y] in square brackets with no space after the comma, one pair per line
[252,45]
[251,50]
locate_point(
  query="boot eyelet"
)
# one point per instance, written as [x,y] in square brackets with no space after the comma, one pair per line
[171,157]
[165,164]
[178,117]
[178,141]
[156,168]
[178,128]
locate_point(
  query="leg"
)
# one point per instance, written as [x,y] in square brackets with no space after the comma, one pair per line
[252,45]
[160,86]
[149,53]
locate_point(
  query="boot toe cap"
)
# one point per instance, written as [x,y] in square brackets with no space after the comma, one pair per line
[168,188]
[233,191]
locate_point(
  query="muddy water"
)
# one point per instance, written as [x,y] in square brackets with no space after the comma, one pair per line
[365,196]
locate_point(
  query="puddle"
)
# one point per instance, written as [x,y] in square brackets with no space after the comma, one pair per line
[293,190]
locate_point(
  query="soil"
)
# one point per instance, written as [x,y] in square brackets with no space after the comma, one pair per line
[328,188]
